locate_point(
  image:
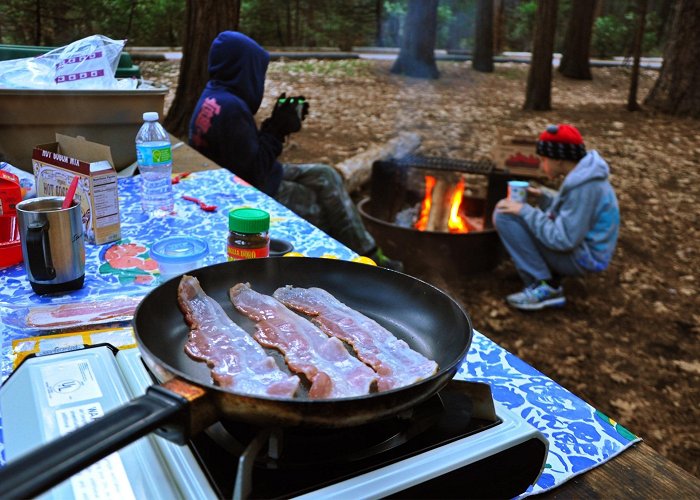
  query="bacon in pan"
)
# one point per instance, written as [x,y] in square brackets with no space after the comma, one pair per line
[331,369]
[236,360]
[396,363]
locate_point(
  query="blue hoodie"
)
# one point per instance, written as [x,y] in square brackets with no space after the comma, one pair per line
[582,217]
[222,127]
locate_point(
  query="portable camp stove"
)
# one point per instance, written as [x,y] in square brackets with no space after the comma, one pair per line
[459,443]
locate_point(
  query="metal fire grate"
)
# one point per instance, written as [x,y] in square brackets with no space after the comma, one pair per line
[484,167]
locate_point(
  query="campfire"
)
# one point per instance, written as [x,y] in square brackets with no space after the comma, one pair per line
[441,208]
[421,208]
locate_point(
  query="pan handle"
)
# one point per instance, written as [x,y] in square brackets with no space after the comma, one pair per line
[46,466]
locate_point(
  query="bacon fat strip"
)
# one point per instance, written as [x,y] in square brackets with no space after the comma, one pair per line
[237,361]
[396,363]
[332,370]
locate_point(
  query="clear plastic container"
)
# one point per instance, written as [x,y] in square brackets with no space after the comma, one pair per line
[178,254]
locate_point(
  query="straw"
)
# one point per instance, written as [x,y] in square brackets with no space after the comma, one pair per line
[68,200]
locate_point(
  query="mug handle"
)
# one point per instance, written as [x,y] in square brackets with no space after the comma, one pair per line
[39,252]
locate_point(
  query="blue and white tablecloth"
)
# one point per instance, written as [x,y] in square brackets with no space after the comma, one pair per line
[579,436]
[123,268]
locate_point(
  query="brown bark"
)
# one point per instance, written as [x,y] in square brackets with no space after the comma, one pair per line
[538,95]
[677,89]
[37,23]
[129,25]
[499,26]
[577,44]
[417,54]
[483,37]
[204,20]
[632,104]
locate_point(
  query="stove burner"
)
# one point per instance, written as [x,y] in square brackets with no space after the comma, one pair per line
[299,448]
[245,460]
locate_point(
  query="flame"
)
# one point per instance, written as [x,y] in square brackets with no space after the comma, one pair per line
[457,223]
[422,221]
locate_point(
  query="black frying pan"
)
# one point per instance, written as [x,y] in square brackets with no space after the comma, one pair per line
[187,401]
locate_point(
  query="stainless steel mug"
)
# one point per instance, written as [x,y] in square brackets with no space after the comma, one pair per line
[53,244]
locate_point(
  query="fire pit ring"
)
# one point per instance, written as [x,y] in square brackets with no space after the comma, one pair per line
[427,253]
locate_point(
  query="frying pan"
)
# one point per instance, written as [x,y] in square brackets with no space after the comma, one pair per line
[187,401]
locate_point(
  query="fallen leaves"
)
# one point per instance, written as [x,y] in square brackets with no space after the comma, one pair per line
[690,367]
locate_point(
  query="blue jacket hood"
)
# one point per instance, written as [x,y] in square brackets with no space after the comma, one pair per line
[239,64]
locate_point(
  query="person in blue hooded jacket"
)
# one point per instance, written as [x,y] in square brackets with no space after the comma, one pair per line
[571,232]
[223,129]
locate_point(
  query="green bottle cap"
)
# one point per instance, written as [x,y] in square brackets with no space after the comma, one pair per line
[248,220]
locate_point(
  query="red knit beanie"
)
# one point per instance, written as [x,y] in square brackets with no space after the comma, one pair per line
[561,142]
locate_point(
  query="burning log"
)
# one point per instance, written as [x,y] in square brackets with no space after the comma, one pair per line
[440,209]
[357,169]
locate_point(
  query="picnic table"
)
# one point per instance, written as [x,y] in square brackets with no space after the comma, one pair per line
[614,463]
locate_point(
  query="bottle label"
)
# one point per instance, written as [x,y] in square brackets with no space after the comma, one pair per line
[153,155]
[236,253]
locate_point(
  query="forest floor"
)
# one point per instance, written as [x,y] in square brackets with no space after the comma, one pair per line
[627,340]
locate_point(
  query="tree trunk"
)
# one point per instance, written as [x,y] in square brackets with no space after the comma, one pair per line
[677,90]
[37,23]
[577,45]
[632,104]
[499,27]
[131,18]
[538,95]
[483,37]
[417,54]
[378,9]
[204,20]
[664,12]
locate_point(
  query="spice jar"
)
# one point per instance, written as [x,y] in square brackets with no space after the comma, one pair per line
[248,236]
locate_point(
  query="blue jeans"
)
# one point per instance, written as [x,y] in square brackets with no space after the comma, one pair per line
[533,260]
[316,193]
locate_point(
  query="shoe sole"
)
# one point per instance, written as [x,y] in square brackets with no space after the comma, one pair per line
[558,302]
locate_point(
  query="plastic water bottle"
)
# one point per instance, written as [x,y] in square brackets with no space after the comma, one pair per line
[155,160]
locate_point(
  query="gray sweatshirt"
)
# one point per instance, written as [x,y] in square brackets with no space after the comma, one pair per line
[583,217]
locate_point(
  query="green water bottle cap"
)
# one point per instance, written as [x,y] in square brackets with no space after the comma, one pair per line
[248,220]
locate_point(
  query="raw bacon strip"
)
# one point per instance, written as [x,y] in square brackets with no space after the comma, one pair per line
[82,313]
[332,370]
[237,362]
[396,363]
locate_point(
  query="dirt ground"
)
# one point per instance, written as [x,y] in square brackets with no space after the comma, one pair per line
[627,340]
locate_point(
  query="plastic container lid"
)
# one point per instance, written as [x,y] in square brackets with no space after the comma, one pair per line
[150,116]
[248,220]
[179,250]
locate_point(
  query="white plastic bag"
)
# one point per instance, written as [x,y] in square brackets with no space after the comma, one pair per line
[89,63]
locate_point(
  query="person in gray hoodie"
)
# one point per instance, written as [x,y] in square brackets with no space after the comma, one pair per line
[570,232]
